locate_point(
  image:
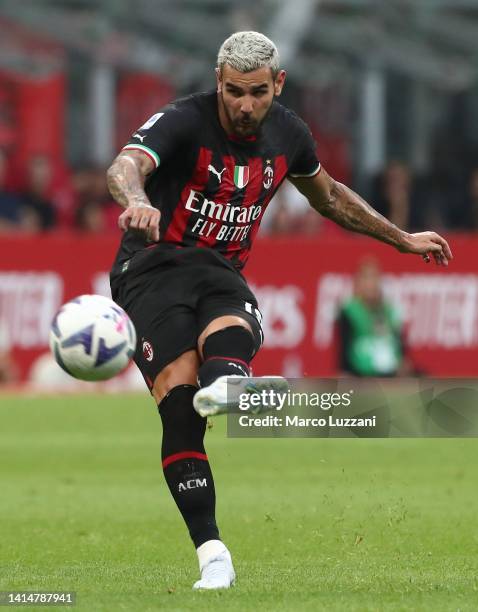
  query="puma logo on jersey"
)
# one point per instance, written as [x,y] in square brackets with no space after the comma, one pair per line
[139,136]
[214,171]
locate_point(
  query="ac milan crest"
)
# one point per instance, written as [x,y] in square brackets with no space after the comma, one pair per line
[268,175]
[148,352]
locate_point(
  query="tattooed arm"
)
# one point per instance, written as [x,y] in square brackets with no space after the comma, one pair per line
[125,178]
[346,208]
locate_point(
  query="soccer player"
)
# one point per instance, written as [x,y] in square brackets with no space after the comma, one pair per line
[194,181]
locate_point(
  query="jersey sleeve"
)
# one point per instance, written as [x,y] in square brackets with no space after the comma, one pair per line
[305,162]
[162,134]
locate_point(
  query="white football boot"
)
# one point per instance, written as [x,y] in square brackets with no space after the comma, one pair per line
[215,565]
[224,394]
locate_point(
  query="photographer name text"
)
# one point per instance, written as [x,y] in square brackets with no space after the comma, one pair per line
[296,421]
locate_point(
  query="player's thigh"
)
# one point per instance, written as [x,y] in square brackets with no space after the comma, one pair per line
[232,304]
[164,337]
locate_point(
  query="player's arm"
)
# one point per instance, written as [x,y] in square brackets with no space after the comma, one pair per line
[342,205]
[125,178]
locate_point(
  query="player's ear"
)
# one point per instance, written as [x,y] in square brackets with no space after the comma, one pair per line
[279,82]
[218,80]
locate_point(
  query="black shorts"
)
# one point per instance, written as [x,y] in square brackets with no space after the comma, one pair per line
[171,294]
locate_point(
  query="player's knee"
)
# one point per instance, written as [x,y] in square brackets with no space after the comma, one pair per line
[235,337]
[238,334]
[166,381]
[161,388]
[182,371]
[225,321]
[219,324]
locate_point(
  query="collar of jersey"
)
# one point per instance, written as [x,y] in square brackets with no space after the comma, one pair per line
[235,138]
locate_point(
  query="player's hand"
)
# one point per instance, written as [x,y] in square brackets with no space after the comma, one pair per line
[142,217]
[427,244]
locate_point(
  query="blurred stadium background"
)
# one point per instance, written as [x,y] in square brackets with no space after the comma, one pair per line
[390,90]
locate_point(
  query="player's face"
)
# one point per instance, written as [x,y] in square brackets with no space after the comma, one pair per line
[245,98]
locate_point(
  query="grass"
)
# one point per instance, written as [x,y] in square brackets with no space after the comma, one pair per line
[312,524]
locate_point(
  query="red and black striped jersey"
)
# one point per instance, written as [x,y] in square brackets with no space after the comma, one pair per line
[212,189]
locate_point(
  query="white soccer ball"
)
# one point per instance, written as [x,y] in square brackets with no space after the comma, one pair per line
[92,338]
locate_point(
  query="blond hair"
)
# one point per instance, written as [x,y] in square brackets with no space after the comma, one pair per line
[248,51]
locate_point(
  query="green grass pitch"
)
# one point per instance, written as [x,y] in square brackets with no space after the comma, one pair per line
[312,524]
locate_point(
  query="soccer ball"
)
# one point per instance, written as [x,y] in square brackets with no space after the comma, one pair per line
[92,338]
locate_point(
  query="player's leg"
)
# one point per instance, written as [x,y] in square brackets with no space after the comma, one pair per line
[168,360]
[227,345]
[187,470]
[185,463]
[186,467]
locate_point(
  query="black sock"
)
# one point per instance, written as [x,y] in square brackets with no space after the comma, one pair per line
[185,464]
[226,352]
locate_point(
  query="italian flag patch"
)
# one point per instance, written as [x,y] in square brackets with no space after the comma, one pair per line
[241,176]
